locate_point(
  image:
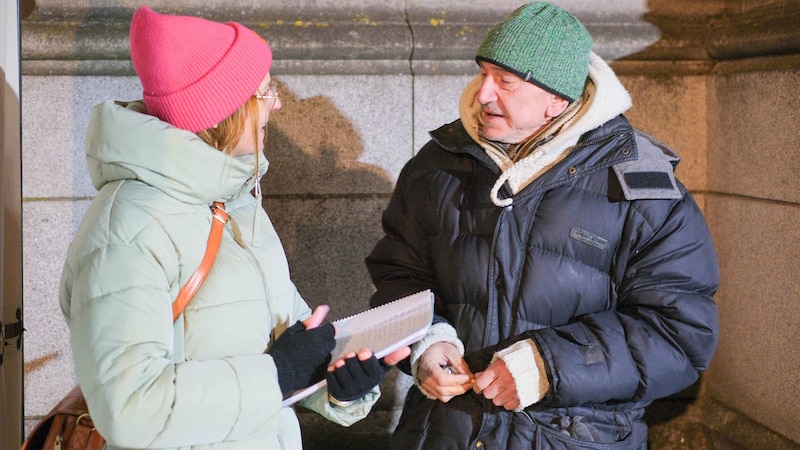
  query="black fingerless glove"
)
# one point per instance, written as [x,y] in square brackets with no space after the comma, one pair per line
[302,356]
[355,378]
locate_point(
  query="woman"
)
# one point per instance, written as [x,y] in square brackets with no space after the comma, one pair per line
[215,378]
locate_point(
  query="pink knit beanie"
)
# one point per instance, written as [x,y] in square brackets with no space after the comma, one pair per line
[195,72]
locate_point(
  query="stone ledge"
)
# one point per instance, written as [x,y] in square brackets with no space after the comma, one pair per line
[77,40]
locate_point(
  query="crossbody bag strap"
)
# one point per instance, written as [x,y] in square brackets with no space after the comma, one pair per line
[214,239]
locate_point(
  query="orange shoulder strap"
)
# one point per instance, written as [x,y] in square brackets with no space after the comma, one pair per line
[214,238]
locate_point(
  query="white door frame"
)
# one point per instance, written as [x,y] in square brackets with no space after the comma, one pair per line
[11,365]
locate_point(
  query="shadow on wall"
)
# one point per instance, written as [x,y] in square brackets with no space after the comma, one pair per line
[326,207]
[324,203]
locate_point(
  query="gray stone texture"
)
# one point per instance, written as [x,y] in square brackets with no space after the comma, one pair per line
[363,81]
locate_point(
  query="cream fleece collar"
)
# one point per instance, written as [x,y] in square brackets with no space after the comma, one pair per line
[603,99]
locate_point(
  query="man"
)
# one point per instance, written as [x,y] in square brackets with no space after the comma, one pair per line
[573,274]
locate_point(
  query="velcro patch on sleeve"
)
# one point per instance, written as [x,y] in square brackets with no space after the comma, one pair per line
[651,174]
[648,180]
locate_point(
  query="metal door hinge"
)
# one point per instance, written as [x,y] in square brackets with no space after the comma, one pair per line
[10,331]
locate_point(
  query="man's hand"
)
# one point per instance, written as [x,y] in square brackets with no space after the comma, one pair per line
[443,373]
[496,384]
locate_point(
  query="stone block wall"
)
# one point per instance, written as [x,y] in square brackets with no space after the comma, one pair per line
[362,82]
[754,212]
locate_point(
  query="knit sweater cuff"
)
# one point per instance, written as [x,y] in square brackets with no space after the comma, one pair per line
[439,332]
[526,365]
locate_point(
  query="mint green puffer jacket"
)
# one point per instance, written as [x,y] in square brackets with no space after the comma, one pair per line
[203,381]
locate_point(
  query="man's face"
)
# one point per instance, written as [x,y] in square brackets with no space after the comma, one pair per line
[511,108]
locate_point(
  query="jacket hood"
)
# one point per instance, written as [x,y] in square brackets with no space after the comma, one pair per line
[604,98]
[123,142]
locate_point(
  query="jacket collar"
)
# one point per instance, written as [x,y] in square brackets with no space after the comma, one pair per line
[123,142]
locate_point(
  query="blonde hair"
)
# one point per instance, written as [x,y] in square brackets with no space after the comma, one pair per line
[225,135]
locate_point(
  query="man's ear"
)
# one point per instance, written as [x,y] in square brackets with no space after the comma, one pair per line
[556,106]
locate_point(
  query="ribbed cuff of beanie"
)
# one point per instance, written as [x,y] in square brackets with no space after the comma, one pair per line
[526,365]
[439,332]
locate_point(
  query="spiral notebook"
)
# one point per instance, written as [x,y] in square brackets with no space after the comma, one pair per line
[382,329]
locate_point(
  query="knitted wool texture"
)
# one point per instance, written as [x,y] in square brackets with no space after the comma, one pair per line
[195,72]
[544,45]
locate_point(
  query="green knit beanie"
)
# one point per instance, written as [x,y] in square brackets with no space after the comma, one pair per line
[543,44]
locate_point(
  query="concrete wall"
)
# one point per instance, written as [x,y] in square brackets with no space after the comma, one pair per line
[363,81]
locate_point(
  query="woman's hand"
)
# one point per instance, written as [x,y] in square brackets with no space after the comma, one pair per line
[301,353]
[356,373]
[316,318]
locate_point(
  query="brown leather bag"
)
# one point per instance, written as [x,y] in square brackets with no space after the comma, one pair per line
[68,426]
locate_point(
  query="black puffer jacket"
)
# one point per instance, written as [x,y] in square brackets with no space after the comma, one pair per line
[605,261]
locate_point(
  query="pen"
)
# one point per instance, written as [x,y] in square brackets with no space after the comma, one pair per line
[448,369]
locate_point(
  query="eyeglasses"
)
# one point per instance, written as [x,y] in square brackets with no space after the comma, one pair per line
[271,94]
